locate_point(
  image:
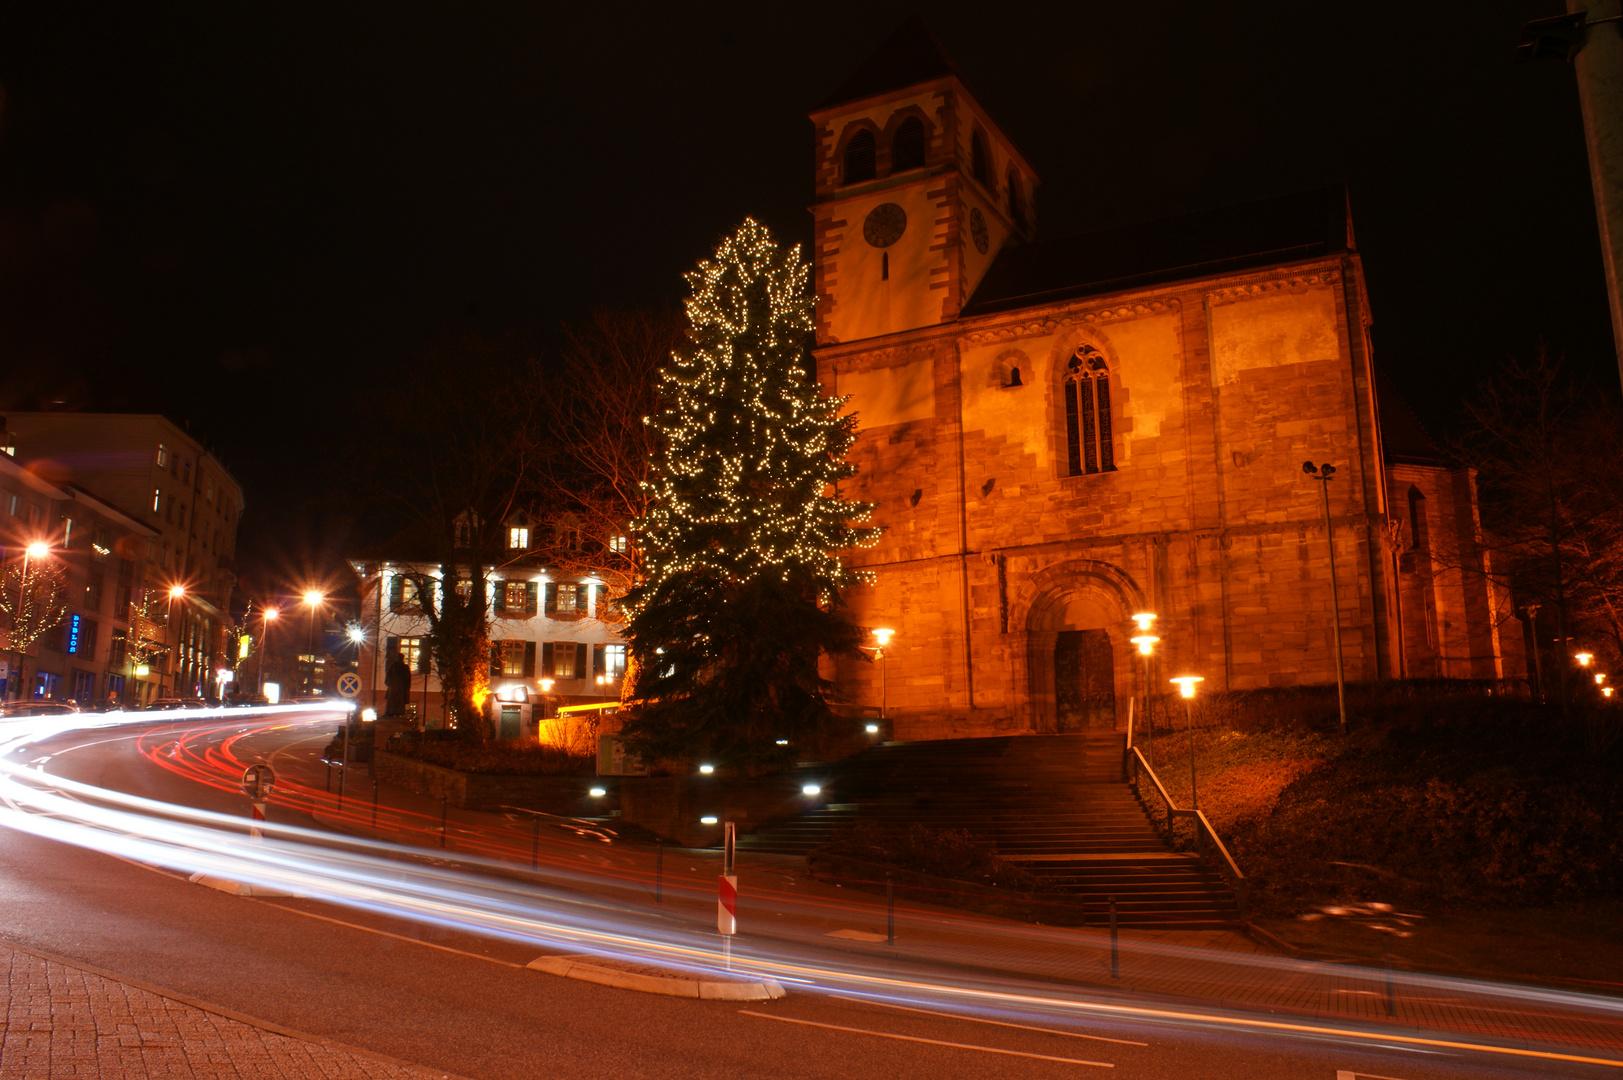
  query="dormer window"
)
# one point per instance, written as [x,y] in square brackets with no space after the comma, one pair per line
[518,538]
[907,146]
[980,163]
[860,157]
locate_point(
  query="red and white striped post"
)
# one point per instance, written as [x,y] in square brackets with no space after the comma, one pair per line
[727,888]
[259,815]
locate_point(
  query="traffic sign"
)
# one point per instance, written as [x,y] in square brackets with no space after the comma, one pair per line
[257,781]
[349,684]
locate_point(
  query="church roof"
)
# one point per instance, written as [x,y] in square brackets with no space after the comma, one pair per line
[910,56]
[1404,439]
[1284,228]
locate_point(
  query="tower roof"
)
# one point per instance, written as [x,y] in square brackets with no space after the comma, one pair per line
[910,56]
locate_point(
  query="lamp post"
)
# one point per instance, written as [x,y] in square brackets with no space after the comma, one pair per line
[36,550]
[265,618]
[1538,665]
[313,599]
[175,593]
[882,636]
[1186,688]
[1146,645]
[1323,474]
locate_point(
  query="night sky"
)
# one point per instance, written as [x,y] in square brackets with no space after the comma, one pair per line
[247,216]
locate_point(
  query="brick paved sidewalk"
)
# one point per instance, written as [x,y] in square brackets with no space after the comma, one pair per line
[59,1021]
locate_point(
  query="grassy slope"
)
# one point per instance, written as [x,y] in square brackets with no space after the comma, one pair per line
[1500,826]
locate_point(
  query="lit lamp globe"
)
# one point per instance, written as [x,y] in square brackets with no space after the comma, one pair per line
[176,591]
[1145,643]
[1145,621]
[38,549]
[357,635]
[1186,684]
[313,597]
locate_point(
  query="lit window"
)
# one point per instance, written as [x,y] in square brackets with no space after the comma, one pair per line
[563,661]
[67,532]
[614,661]
[157,499]
[411,651]
[512,654]
[163,456]
[518,539]
[1088,444]
[619,545]
[517,596]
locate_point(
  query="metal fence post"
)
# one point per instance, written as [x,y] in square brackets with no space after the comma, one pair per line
[890,912]
[535,841]
[1115,962]
[374,800]
[444,799]
[659,871]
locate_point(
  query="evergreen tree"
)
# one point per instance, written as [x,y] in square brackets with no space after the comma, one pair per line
[741,543]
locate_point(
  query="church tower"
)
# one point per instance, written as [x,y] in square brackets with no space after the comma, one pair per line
[917,191]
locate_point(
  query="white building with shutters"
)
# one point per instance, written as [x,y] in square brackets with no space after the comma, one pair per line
[554,639]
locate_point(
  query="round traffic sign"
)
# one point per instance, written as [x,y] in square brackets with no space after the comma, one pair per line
[349,684]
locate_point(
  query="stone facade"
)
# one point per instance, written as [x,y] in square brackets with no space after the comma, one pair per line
[1221,358]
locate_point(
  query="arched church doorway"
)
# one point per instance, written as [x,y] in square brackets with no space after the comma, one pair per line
[1084,681]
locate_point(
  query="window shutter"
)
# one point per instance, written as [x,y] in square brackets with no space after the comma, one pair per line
[495,659]
[552,597]
[500,602]
[580,660]
[599,663]
[546,659]
[424,659]
[391,645]
[397,585]
[529,659]
[529,598]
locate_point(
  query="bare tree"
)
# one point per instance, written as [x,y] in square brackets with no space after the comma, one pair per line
[602,394]
[33,595]
[462,458]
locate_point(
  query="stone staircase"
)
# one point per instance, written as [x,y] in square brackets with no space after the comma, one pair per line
[1058,804]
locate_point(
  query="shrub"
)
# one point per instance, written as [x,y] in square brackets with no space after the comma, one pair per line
[507,757]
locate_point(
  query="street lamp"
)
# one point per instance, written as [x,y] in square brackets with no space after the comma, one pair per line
[265,618]
[39,549]
[1186,688]
[1323,474]
[313,599]
[1146,646]
[882,636]
[175,593]
[1583,658]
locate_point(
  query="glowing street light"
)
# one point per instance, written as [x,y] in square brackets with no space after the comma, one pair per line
[314,599]
[176,592]
[37,550]
[1186,689]
[882,635]
[1583,658]
[1146,647]
[265,617]
[1606,691]
[1600,677]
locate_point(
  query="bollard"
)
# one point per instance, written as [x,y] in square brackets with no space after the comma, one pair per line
[1391,993]
[890,912]
[659,871]
[374,800]
[327,763]
[535,841]
[443,799]
[343,773]
[1115,960]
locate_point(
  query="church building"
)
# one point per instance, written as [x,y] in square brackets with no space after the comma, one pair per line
[1060,434]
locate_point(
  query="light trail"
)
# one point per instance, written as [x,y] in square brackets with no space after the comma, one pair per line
[481,896]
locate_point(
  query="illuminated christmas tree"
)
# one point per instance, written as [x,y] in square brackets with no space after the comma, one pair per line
[742,540]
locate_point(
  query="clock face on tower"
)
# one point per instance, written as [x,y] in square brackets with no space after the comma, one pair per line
[977,229]
[885,225]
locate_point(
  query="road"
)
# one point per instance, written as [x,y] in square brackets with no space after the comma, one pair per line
[464,1002]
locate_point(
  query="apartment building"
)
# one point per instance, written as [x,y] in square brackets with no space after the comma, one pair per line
[161,479]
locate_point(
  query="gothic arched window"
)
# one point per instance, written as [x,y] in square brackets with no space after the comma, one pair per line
[1087,413]
[907,145]
[859,157]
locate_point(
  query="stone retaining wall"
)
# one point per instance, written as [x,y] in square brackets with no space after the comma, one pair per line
[569,796]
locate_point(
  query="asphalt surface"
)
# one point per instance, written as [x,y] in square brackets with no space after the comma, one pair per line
[467,1005]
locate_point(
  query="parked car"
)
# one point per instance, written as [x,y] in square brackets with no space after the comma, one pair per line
[247,701]
[166,703]
[37,708]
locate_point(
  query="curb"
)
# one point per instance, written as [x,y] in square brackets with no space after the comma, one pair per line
[235,888]
[655,980]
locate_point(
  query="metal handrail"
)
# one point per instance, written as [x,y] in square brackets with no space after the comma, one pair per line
[1237,878]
